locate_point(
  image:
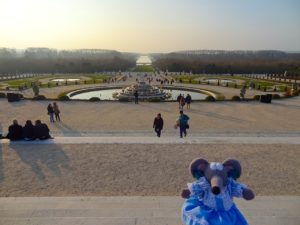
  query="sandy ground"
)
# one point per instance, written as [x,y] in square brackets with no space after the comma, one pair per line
[104,118]
[137,169]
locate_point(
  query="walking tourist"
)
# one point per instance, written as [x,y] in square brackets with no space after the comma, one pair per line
[56,111]
[158,124]
[136,97]
[188,100]
[51,113]
[183,123]
[181,103]
[179,99]
[243,92]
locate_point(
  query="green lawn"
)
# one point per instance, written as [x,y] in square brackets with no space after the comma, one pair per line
[144,68]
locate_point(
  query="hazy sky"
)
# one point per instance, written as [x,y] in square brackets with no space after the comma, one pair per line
[151,25]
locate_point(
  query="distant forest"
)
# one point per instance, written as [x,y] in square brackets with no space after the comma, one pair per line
[44,60]
[232,62]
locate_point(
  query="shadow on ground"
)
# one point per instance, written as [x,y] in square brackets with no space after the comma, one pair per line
[66,130]
[37,156]
[1,159]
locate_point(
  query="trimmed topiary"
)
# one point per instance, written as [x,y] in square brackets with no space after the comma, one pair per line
[256,97]
[39,97]
[296,92]
[287,94]
[275,96]
[236,98]
[123,99]
[94,99]
[63,98]
[2,95]
[21,96]
[154,100]
[210,99]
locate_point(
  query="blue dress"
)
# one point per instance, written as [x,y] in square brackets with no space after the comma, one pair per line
[205,208]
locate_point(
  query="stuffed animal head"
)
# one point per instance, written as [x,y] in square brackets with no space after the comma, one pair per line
[217,174]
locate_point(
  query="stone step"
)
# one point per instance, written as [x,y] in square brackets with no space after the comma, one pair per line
[163,140]
[135,210]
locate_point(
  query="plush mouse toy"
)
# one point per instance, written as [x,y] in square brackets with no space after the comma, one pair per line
[210,197]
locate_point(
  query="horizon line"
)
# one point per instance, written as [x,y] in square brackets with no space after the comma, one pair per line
[154,52]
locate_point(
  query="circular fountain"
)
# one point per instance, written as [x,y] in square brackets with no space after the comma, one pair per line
[145,91]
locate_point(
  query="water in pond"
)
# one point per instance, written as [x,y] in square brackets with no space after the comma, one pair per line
[64,80]
[107,94]
[223,81]
[144,60]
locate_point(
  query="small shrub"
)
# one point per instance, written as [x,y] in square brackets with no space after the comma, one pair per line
[63,98]
[296,92]
[154,100]
[94,99]
[210,99]
[39,97]
[2,95]
[256,97]
[220,97]
[287,94]
[124,99]
[21,96]
[275,96]
[236,98]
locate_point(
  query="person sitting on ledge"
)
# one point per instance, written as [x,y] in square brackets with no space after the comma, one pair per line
[28,131]
[15,131]
[41,131]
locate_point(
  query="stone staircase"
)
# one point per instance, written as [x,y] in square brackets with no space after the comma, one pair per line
[134,210]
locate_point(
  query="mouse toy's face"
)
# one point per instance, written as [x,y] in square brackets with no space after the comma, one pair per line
[216,174]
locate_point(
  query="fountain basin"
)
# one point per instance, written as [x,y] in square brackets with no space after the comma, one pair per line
[106,93]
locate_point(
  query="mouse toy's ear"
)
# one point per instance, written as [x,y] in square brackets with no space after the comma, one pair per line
[233,168]
[198,167]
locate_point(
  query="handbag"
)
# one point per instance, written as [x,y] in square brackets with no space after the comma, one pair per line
[187,126]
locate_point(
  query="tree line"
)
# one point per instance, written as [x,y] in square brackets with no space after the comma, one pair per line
[232,62]
[44,60]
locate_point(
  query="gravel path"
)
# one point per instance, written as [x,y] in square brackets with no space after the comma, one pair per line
[138,169]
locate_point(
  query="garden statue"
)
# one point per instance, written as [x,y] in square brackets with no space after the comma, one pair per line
[36,89]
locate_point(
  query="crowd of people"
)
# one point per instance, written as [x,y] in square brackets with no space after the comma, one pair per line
[28,132]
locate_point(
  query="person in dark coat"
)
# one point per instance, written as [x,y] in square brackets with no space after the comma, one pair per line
[188,100]
[56,111]
[136,97]
[179,99]
[15,131]
[50,110]
[158,124]
[28,131]
[41,131]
